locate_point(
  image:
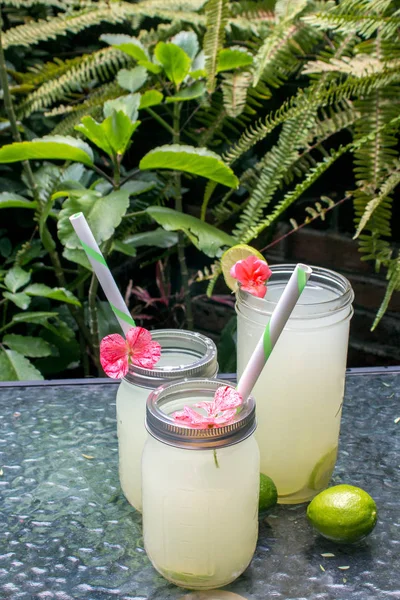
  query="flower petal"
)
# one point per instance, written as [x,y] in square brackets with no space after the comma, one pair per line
[225,417]
[226,398]
[190,417]
[258,290]
[143,352]
[114,356]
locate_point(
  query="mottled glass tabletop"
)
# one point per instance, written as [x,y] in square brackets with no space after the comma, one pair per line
[67,532]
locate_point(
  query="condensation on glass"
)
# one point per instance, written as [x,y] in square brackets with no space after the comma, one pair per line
[184,354]
[200,490]
[300,392]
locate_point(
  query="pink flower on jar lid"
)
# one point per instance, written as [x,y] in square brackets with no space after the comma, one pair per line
[252,273]
[219,411]
[117,353]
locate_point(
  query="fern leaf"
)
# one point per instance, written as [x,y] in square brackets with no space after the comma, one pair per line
[234,91]
[364,17]
[68,77]
[394,285]
[217,13]
[387,188]
[288,9]
[303,101]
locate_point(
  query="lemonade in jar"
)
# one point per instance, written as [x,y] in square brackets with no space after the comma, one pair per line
[299,393]
[200,488]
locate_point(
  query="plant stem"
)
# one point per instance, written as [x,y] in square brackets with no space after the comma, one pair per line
[181,237]
[82,343]
[94,322]
[162,121]
[101,173]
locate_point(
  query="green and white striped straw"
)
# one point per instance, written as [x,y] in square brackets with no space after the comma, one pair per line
[274,328]
[102,271]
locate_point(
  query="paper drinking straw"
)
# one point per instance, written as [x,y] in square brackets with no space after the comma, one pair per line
[102,271]
[274,328]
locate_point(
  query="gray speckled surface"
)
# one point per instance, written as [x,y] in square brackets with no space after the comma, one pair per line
[67,532]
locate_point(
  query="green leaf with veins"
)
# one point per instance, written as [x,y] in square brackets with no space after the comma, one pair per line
[175,62]
[27,345]
[15,367]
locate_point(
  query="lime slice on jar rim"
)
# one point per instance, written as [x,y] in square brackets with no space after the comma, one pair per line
[231,257]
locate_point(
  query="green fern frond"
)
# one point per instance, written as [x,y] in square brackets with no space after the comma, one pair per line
[92,106]
[272,171]
[61,4]
[217,13]
[65,78]
[358,66]
[234,91]
[364,17]
[313,97]
[36,31]
[393,275]
[286,10]
[382,202]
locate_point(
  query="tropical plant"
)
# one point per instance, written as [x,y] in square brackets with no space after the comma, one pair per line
[275,91]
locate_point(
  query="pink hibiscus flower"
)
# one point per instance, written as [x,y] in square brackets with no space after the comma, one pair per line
[253,274]
[117,353]
[219,411]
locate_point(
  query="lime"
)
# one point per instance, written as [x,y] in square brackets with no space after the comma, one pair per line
[231,256]
[343,513]
[322,472]
[268,493]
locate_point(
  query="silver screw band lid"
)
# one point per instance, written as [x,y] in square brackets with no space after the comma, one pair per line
[199,348]
[171,397]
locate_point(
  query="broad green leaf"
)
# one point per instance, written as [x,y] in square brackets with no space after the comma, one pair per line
[135,188]
[150,98]
[15,367]
[187,40]
[189,93]
[132,79]
[175,61]
[103,215]
[127,104]
[44,291]
[119,129]
[55,147]
[95,133]
[16,278]
[65,354]
[20,299]
[159,238]
[128,44]
[233,59]
[197,161]
[198,74]
[205,237]
[123,248]
[15,201]
[49,320]
[27,345]
[77,256]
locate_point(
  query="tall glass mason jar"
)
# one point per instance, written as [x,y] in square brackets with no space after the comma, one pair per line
[200,490]
[299,393]
[184,354]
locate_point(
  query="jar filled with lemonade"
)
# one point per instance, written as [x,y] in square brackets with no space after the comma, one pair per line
[299,393]
[200,489]
[184,354]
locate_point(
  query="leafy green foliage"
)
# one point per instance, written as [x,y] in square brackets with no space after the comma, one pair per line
[175,62]
[50,148]
[15,367]
[197,161]
[27,345]
[103,213]
[205,237]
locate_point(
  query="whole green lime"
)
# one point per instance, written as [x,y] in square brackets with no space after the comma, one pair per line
[343,513]
[268,493]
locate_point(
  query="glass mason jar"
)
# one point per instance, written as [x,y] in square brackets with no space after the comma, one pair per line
[200,490]
[184,354]
[299,393]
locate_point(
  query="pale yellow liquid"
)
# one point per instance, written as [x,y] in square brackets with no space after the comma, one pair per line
[132,434]
[200,521]
[299,397]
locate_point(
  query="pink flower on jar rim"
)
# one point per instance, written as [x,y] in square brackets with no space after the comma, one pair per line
[117,353]
[219,411]
[252,273]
